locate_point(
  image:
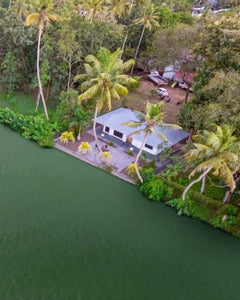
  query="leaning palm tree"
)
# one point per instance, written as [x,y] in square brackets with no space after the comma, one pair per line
[104,80]
[148,20]
[217,151]
[41,19]
[154,117]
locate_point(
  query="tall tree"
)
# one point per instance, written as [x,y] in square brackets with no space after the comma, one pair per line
[104,80]
[217,152]
[153,117]
[148,20]
[41,19]
[95,9]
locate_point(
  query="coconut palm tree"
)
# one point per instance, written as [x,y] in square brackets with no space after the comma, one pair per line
[95,9]
[118,7]
[41,19]
[148,20]
[217,152]
[154,117]
[104,80]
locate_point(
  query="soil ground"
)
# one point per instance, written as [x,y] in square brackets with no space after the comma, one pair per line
[137,100]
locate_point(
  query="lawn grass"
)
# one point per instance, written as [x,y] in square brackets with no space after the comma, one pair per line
[212,189]
[21,104]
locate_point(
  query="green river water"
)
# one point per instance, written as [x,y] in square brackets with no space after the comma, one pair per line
[70,231]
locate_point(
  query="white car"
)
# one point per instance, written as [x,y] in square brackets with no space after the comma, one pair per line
[162,92]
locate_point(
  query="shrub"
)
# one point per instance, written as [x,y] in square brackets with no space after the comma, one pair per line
[66,109]
[107,168]
[135,85]
[150,165]
[46,142]
[183,206]
[67,136]
[130,153]
[132,172]
[156,189]
[30,127]
[224,221]
[110,143]
[228,209]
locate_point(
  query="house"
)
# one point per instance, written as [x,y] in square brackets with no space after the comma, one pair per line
[170,70]
[155,77]
[112,123]
[178,77]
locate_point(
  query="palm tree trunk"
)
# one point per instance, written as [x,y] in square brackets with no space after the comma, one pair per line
[195,181]
[138,156]
[37,101]
[124,43]
[10,4]
[187,94]
[227,196]
[38,73]
[131,6]
[94,129]
[69,75]
[139,43]
[126,36]
[203,184]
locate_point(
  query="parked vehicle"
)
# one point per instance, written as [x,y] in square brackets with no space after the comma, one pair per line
[185,86]
[162,92]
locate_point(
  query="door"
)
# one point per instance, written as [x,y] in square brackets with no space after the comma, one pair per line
[129,139]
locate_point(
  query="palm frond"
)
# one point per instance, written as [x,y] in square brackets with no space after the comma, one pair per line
[132,124]
[32,19]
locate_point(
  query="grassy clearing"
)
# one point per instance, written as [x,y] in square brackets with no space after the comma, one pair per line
[212,189]
[22,104]
[19,103]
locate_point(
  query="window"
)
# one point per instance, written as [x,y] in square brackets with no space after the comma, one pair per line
[117,134]
[148,146]
[107,129]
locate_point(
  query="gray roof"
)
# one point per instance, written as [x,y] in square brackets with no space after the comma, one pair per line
[116,118]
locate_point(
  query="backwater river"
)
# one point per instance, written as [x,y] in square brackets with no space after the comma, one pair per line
[70,231]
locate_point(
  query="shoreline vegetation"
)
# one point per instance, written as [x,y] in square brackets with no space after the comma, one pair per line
[64,63]
[154,187]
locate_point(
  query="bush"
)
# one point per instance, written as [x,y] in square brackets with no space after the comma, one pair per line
[196,205]
[135,85]
[150,165]
[65,112]
[46,142]
[30,127]
[132,171]
[228,209]
[183,206]
[110,143]
[156,189]
[130,153]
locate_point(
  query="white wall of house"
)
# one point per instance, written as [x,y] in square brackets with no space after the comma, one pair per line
[138,144]
[111,132]
[135,142]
